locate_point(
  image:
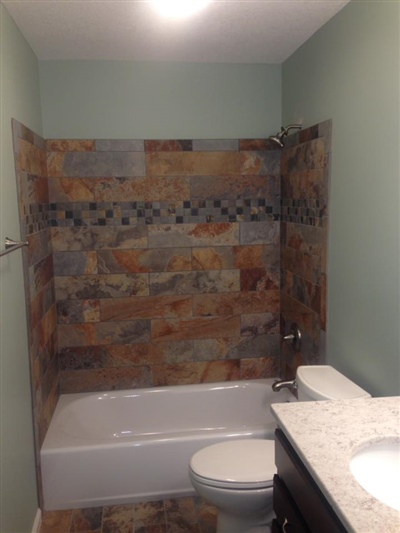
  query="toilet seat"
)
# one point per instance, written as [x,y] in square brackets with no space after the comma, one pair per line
[237,464]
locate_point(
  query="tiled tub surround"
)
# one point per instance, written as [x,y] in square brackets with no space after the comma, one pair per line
[31,173]
[305,172]
[166,261]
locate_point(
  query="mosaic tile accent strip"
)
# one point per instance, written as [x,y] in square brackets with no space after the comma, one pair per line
[128,213]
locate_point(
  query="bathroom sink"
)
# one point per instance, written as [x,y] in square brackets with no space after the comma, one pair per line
[376,467]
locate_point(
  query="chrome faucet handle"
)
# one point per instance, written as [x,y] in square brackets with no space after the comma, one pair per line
[294,336]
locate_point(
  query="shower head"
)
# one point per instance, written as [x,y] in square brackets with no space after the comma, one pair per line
[278,138]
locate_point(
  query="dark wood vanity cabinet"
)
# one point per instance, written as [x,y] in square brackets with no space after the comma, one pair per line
[299,504]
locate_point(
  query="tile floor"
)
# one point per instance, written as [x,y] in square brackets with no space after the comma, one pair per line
[185,515]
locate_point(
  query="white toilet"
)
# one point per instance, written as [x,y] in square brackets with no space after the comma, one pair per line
[236,476]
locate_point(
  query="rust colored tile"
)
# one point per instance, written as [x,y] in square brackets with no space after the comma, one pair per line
[148,514]
[192,163]
[86,520]
[92,287]
[261,163]
[71,190]
[168,146]
[155,260]
[55,162]
[202,281]
[76,335]
[262,367]
[98,238]
[257,144]
[195,328]
[103,379]
[31,159]
[74,311]
[169,306]
[259,279]
[233,187]
[70,145]
[257,256]
[47,327]
[117,519]
[196,372]
[56,521]
[145,189]
[236,303]
[215,258]
[185,235]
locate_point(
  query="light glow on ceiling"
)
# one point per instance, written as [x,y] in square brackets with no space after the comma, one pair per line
[177,9]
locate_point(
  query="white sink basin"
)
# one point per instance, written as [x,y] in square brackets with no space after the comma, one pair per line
[376,467]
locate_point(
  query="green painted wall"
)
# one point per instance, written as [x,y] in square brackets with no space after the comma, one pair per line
[19,89]
[349,71]
[122,99]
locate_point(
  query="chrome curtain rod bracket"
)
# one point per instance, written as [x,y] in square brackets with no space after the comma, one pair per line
[11,245]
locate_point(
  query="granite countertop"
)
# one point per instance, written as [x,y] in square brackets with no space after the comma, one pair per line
[325,434]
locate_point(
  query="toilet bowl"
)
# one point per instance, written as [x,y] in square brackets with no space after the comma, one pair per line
[236,476]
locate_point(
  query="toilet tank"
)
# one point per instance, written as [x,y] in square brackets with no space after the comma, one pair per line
[323,382]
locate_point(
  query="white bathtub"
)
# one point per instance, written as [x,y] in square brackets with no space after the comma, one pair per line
[135,445]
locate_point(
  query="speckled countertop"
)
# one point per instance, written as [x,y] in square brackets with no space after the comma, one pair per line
[325,435]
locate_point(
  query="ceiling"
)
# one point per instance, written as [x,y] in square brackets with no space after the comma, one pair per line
[228,31]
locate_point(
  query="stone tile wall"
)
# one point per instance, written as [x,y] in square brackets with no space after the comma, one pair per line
[304,232]
[166,261]
[30,165]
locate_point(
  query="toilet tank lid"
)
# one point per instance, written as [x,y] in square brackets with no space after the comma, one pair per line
[323,382]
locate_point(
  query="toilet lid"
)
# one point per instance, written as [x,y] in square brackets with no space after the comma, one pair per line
[249,462]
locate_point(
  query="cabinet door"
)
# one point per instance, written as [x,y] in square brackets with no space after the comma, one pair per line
[288,515]
[312,504]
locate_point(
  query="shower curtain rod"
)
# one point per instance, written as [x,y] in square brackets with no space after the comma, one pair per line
[11,245]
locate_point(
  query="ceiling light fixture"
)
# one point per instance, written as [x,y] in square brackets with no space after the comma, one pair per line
[179,8]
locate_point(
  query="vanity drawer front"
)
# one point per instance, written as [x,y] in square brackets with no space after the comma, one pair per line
[312,504]
[288,517]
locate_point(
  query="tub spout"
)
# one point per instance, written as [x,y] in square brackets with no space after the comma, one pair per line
[278,385]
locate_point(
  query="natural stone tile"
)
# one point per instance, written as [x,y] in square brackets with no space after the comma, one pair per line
[74,263]
[119,145]
[148,514]
[195,282]
[101,379]
[257,256]
[71,190]
[117,519]
[33,189]
[56,521]
[153,260]
[213,258]
[86,520]
[98,238]
[215,145]
[261,367]
[141,189]
[75,311]
[192,163]
[259,324]
[262,163]
[70,145]
[101,286]
[31,159]
[259,279]
[257,144]
[305,156]
[40,274]
[259,233]
[301,264]
[236,303]
[168,146]
[39,246]
[232,187]
[310,184]
[181,516]
[194,328]
[213,234]
[170,306]
[196,372]
[91,164]
[76,335]
[308,239]
[215,349]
